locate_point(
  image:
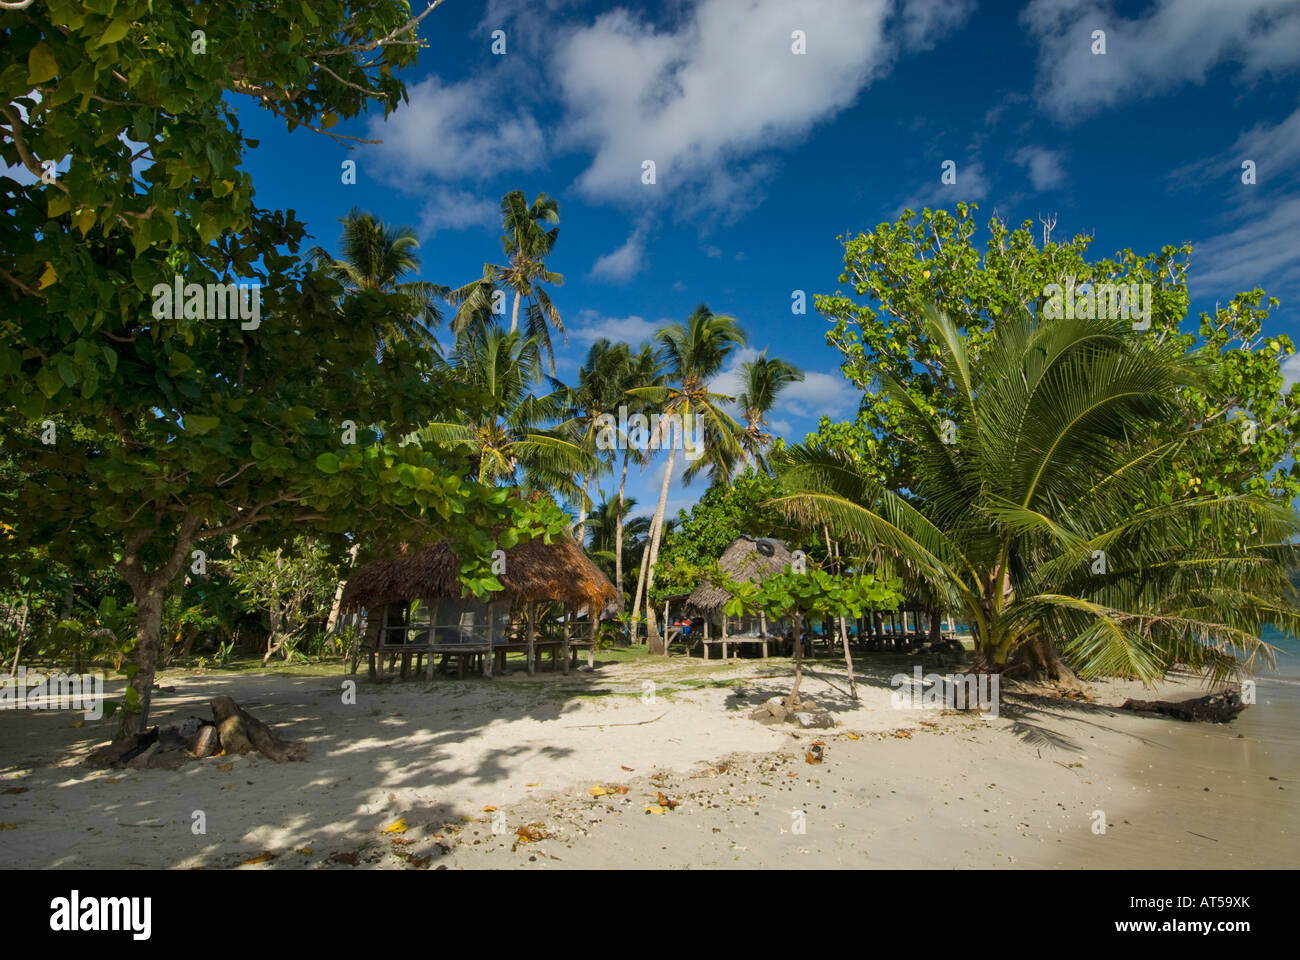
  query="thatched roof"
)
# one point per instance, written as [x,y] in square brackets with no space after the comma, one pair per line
[534,571]
[746,559]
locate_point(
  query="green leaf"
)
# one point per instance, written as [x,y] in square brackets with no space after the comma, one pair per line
[115,32]
[41,65]
[48,381]
[327,463]
[195,423]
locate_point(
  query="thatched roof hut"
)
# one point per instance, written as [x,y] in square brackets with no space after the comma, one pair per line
[535,571]
[746,559]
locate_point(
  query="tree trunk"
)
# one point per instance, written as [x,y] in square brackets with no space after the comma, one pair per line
[640,583]
[936,630]
[514,314]
[792,701]
[276,616]
[618,538]
[332,623]
[657,525]
[580,532]
[22,632]
[148,606]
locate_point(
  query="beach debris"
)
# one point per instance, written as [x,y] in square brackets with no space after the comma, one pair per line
[814,752]
[397,826]
[1221,707]
[597,791]
[260,858]
[666,803]
[530,833]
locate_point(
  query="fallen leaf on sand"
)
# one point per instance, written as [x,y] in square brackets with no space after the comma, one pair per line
[903,734]
[401,841]
[653,808]
[350,858]
[6,825]
[398,826]
[669,804]
[927,723]
[420,863]
[10,790]
[259,859]
[531,833]
[812,757]
[629,769]
[305,851]
[80,723]
[231,786]
[598,791]
[225,767]
[537,784]
[488,810]
[620,789]
[853,736]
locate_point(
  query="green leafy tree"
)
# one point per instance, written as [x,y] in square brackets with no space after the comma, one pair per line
[596,393]
[1044,513]
[814,593]
[899,270]
[292,585]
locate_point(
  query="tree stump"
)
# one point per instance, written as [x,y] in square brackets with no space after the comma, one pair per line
[241,732]
[1216,708]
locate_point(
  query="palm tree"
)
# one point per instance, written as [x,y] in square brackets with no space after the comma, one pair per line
[1044,514]
[375,257]
[693,353]
[763,380]
[642,369]
[527,243]
[505,431]
[595,395]
[607,521]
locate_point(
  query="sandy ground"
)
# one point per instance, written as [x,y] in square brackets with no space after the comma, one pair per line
[601,770]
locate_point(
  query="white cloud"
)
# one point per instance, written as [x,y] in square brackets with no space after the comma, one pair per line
[448,209]
[621,265]
[701,98]
[1045,168]
[818,394]
[457,130]
[925,21]
[1260,252]
[712,252]
[1275,149]
[1291,369]
[593,326]
[1173,42]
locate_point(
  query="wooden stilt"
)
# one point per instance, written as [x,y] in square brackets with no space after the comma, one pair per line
[532,641]
[568,625]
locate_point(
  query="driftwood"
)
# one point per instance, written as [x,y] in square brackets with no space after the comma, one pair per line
[1216,708]
[241,732]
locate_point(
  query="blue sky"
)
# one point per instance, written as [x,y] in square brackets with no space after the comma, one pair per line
[763,157]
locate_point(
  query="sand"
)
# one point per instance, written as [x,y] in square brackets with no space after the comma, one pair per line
[461,766]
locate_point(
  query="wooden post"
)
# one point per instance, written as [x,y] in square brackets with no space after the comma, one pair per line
[568,625]
[724,635]
[532,639]
[762,630]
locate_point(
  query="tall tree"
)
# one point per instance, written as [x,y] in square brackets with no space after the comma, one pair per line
[693,353]
[642,369]
[1043,512]
[762,381]
[527,243]
[507,431]
[376,257]
[595,394]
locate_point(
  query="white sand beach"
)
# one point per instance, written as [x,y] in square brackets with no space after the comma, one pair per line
[594,764]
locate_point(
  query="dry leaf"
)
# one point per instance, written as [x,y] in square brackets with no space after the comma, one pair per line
[598,791]
[398,826]
[225,767]
[9,790]
[629,769]
[665,802]
[531,833]
[420,863]
[6,825]
[261,859]
[654,809]
[80,723]
[537,784]
[853,736]
[231,786]
[350,858]
[620,789]
[488,810]
[305,851]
